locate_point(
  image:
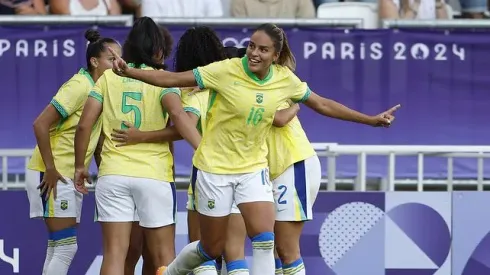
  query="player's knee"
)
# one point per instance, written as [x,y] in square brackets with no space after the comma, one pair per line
[211,251]
[134,253]
[263,241]
[288,251]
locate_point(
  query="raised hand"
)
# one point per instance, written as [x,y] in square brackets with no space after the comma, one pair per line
[120,66]
[386,118]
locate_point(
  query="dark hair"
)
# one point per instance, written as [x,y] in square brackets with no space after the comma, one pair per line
[198,46]
[242,52]
[169,41]
[96,45]
[231,52]
[286,57]
[145,41]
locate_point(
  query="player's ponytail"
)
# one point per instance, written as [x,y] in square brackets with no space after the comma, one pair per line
[95,46]
[286,56]
[281,45]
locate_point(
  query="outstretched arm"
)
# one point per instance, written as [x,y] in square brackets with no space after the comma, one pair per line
[157,78]
[284,116]
[331,108]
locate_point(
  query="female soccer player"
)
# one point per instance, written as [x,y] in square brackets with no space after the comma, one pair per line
[232,157]
[137,247]
[137,177]
[51,166]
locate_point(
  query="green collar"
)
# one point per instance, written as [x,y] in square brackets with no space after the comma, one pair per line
[252,75]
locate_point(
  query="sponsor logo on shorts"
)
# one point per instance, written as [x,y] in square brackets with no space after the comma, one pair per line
[211,204]
[64,204]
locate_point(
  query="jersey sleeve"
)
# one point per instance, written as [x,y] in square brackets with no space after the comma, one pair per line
[169,91]
[209,76]
[300,91]
[70,97]
[191,104]
[99,89]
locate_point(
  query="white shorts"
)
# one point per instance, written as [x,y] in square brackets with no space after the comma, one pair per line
[117,198]
[296,189]
[68,203]
[216,193]
[191,205]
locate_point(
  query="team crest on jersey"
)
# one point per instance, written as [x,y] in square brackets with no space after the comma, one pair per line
[64,204]
[211,204]
[259,97]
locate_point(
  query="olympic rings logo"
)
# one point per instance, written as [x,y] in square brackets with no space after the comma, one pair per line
[233,42]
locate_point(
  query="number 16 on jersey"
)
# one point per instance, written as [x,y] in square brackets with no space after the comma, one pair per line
[255,115]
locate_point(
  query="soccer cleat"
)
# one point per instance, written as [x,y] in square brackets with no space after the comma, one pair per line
[161,270]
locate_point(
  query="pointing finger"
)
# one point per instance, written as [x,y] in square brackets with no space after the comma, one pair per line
[393,109]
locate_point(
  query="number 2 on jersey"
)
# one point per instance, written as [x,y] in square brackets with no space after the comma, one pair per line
[255,115]
[128,107]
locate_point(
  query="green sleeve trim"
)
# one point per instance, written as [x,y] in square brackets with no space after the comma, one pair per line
[192,110]
[59,108]
[169,90]
[305,97]
[96,95]
[197,76]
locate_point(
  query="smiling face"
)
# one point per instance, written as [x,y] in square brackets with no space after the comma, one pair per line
[261,53]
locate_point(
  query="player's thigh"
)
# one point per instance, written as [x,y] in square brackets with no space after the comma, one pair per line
[296,189]
[254,197]
[193,228]
[155,202]
[36,207]
[113,198]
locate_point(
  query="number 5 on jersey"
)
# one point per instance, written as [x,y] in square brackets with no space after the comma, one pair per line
[255,116]
[127,107]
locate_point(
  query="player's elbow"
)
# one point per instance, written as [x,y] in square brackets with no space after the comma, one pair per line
[279,121]
[83,127]
[176,114]
[39,124]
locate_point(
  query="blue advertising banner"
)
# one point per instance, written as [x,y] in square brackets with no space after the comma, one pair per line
[414,233]
[439,77]
[471,233]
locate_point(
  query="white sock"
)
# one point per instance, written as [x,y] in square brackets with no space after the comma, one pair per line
[65,248]
[295,268]
[278,267]
[207,268]
[238,267]
[224,271]
[49,256]
[263,254]
[191,256]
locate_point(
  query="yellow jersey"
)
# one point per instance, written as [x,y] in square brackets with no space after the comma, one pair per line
[126,99]
[196,103]
[69,102]
[287,145]
[240,114]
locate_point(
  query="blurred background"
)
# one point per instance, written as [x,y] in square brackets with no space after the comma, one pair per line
[430,56]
